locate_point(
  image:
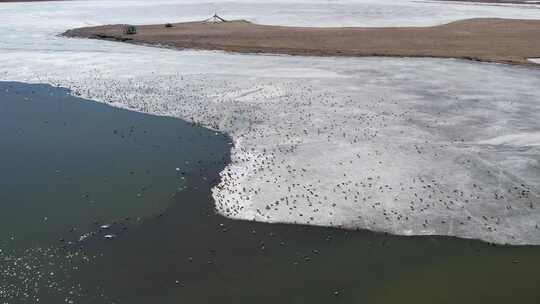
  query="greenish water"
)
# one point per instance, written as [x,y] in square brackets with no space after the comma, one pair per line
[82,164]
[67,163]
[219,260]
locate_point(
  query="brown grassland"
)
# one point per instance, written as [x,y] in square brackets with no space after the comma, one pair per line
[487,39]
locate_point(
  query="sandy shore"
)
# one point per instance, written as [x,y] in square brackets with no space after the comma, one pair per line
[490,40]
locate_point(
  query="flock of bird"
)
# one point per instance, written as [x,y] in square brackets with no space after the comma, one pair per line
[330,153]
[322,152]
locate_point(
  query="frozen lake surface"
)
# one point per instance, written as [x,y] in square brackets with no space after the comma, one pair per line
[407,146]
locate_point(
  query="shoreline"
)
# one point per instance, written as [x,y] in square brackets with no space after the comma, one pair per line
[507,41]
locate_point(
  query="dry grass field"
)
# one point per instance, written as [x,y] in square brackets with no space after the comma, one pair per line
[491,40]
